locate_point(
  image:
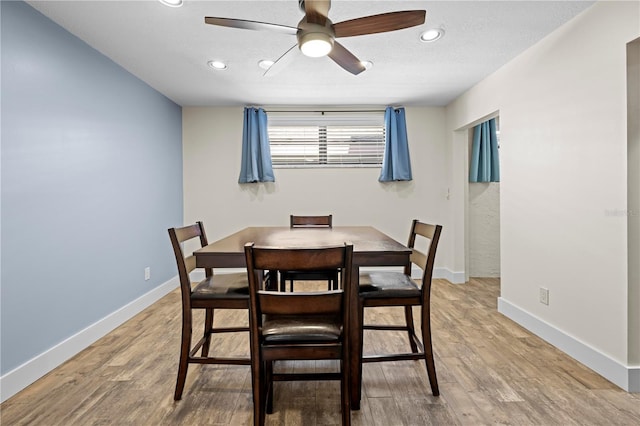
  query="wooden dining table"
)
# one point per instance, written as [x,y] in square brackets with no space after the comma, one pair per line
[371,248]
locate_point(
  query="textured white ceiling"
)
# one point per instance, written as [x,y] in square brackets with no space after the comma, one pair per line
[169,48]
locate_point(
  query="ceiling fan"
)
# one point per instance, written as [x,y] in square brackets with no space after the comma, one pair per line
[317,34]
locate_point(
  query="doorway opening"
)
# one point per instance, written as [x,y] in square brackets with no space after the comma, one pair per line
[483,201]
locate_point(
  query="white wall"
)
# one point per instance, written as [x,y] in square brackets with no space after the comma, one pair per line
[484,229]
[563,115]
[212,140]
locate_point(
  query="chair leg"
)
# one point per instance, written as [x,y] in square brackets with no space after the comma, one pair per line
[185,345]
[428,354]
[344,393]
[257,378]
[356,367]
[269,386]
[408,317]
[208,328]
[283,283]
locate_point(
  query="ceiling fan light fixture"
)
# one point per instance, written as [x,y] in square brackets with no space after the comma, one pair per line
[172,3]
[316,45]
[432,35]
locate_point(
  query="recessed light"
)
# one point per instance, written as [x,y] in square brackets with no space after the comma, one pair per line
[171,3]
[367,64]
[432,34]
[217,65]
[265,64]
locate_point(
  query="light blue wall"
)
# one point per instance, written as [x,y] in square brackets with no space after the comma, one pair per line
[91,180]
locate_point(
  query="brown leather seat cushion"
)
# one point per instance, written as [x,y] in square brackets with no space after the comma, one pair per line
[228,286]
[386,284]
[311,328]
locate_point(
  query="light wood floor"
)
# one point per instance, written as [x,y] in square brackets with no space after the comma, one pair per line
[490,371]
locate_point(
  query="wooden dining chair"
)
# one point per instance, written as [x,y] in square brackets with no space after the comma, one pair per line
[330,276]
[389,288]
[297,325]
[222,291]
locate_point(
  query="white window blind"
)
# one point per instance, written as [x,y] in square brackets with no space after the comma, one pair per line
[329,139]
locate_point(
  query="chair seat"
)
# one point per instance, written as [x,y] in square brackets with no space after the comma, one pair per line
[311,328]
[228,286]
[386,284]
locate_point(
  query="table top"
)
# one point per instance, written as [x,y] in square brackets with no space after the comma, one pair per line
[370,246]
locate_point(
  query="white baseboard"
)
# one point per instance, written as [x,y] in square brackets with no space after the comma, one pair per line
[19,378]
[626,377]
[449,275]
[441,273]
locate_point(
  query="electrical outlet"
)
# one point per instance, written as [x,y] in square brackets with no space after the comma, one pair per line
[147,273]
[544,296]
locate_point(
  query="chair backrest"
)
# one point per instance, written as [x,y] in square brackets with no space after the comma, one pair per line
[311,221]
[334,302]
[187,263]
[431,233]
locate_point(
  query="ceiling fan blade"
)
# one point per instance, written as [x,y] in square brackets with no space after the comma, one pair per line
[281,63]
[250,25]
[346,59]
[317,11]
[380,23]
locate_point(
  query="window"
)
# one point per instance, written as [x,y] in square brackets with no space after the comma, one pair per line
[326,139]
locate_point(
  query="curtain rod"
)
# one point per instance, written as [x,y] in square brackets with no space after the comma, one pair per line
[350,110]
